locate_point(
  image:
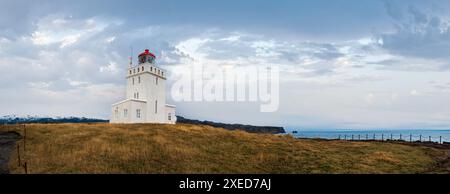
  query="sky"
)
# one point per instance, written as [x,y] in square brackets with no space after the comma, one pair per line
[344,63]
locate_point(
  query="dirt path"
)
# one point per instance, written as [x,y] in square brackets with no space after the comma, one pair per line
[7,146]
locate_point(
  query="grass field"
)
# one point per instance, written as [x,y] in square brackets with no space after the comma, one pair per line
[183,148]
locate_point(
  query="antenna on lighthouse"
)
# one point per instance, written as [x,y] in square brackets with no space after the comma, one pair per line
[131,57]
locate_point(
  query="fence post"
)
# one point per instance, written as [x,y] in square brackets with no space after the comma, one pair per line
[391,136]
[339,137]
[345,137]
[18,154]
[400,136]
[359,137]
[367,137]
[374,137]
[24,137]
[420,137]
[440,139]
[410,137]
[352,137]
[382,137]
[25,167]
[429,138]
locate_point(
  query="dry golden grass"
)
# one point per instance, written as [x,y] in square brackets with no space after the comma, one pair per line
[183,148]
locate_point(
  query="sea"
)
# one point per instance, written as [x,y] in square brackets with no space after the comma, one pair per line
[439,136]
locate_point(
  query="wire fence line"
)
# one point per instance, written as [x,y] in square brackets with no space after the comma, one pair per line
[380,137]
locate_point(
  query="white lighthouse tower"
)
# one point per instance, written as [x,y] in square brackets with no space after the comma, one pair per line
[145,95]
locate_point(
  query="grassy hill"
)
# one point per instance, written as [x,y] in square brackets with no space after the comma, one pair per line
[185,148]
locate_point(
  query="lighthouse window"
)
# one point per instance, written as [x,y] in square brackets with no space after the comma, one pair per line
[133,80]
[142,68]
[130,71]
[156,107]
[125,113]
[138,113]
[156,80]
[138,70]
[170,117]
[151,68]
[139,79]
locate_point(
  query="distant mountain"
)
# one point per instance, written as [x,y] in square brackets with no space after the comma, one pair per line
[13,119]
[248,128]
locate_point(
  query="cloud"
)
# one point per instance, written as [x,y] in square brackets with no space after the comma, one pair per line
[419,35]
[349,65]
[70,39]
[414,92]
[393,10]
[370,98]
[61,57]
[237,48]
[112,68]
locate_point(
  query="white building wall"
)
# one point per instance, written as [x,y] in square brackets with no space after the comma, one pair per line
[170,114]
[130,116]
[156,99]
[138,106]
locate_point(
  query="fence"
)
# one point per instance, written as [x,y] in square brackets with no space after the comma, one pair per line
[20,145]
[381,137]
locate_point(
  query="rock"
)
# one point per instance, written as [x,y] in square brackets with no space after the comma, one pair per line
[247,128]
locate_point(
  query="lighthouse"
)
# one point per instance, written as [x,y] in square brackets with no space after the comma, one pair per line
[145,94]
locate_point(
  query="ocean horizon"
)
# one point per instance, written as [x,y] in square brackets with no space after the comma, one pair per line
[434,135]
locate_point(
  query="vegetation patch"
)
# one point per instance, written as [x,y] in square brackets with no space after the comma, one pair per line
[189,148]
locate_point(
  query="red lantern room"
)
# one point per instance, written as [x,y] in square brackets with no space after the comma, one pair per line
[147,56]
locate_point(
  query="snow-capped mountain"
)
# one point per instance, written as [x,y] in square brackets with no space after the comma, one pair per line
[14,119]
